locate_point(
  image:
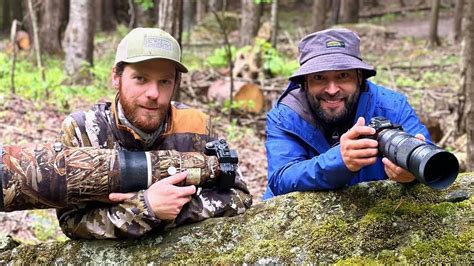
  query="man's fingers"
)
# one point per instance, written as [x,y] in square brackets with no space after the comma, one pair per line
[359,129]
[187,190]
[360,121]
[175,179]
[118,197]
[361,144]
[363,161]
[362,153]
[420,137]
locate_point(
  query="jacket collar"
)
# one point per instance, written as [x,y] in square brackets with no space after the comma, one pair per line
[298,119]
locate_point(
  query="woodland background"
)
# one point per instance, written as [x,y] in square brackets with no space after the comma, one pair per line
[56,57]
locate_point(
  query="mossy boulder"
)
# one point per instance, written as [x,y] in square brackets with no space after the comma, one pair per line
[376,222]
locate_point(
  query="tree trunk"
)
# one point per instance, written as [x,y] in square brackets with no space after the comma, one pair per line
[6,23]
[170,17]
[274,23]
[458,20]
[143,17]
[336,8]
[98,10]
[349,11]
[469,83]
[434,39]
[17,10]
[51,18]
[109,20]
[189,15]
[200,10]
[319,15]
[250,22]
[215,5]
[79,41]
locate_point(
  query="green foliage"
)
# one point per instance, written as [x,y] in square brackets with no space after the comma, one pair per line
[28,82]
[236,105]
[235,132]
[273,62]
[145,4]
[219,58]
[258,2]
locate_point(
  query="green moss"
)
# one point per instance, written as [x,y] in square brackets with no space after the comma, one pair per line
[448,248]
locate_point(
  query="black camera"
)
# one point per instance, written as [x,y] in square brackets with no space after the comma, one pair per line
[228,161]
[430,164]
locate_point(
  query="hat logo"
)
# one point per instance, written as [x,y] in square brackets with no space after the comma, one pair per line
[332,44]
[157,43]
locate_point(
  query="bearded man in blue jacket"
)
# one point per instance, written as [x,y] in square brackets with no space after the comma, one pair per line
[314,132]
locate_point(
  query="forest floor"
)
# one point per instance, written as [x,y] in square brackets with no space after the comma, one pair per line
[23,121]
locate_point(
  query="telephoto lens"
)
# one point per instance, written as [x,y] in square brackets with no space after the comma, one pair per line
[430,164]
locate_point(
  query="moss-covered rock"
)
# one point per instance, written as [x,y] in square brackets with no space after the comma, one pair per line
[374,223]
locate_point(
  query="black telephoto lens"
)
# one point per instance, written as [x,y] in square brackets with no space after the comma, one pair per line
[430,164]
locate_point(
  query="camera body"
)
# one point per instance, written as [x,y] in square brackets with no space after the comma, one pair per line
[228,161]
[380,123]
[430,164]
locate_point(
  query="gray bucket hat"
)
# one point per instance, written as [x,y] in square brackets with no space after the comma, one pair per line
[331,49]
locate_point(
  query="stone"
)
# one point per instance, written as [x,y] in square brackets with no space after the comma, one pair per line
[376,222]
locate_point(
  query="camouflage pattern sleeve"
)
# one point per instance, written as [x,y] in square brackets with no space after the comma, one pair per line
[211,202]
[96,220]
[130,219]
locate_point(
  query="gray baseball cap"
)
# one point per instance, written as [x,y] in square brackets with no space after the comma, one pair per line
[143,44]
[331,49]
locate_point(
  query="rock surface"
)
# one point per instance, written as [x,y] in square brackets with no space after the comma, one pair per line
[375,222]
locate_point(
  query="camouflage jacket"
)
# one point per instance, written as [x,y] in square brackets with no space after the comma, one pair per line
[186,130]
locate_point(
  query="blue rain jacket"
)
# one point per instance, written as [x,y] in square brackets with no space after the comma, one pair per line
[301,159]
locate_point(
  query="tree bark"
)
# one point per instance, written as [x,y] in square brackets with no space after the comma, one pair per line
[434,39]
[109,20]
[200,10]
[15,48]
[274,23]
[469,83]
[6,23]
[170,17]
[79,41]
[51,20]
[98,10]
[349,11]
[319,15]
[336,8]
[17,10]
[215,5]
[250,22]
[144,17]
[457,23]
[189,15]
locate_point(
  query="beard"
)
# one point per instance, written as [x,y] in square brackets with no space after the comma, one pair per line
[332,117]
[146,121]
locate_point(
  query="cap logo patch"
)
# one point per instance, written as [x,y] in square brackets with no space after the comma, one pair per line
[332,44]
[157,43]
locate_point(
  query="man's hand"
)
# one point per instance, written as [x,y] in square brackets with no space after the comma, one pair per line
[357,153]
[395,172]
[166,199]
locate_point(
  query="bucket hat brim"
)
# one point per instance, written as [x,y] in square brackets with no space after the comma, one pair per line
[136,59]
[329,62]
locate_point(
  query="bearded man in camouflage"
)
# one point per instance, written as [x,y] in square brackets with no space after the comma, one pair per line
[147,71]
